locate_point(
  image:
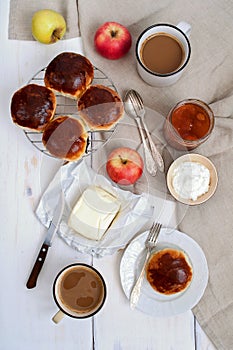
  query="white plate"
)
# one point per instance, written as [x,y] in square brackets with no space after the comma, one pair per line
[154,303]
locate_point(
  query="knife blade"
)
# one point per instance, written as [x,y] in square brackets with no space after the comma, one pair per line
[31,283]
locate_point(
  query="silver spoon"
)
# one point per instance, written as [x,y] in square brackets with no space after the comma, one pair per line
[130,110]
[140,112]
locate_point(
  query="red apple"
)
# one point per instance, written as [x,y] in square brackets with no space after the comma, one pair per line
[124,166]
[112,40]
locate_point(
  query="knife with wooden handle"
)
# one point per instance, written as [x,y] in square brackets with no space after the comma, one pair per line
[32,280]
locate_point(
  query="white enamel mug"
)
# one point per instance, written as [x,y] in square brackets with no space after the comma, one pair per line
[181,33]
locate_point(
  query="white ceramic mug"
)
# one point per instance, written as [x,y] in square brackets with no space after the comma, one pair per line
[79,291]
[181,33]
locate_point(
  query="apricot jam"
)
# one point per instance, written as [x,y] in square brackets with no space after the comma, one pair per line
[188,124]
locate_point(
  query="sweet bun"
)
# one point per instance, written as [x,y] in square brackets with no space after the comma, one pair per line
[69,74]
[100,107]
[169,271]
[33,106]
[65,137]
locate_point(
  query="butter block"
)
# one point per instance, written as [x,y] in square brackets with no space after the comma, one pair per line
[94,213]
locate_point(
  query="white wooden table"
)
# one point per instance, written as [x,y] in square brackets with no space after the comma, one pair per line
[25,315]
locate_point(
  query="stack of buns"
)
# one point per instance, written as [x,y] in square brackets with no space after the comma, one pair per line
[69,74]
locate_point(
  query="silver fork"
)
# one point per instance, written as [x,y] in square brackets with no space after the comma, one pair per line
[150,244]
[140,111]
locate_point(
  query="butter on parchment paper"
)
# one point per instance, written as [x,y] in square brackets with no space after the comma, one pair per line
[94,213]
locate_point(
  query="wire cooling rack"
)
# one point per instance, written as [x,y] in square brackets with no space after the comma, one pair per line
[68,106]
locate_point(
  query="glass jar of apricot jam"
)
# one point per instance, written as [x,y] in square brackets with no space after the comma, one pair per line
[188,124]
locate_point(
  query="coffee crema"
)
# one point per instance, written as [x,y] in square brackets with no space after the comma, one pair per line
[169,272]
[80,290]
[162,53]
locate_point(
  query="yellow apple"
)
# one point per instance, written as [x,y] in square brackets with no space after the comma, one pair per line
[48,26]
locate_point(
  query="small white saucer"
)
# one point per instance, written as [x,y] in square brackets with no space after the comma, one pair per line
[193,157]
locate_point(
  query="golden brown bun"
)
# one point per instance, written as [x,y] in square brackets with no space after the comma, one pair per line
[69,74]
[33,106]
[65,137]
[168,271]
[100,107]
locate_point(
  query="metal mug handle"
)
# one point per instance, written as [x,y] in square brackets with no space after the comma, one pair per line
[185,27]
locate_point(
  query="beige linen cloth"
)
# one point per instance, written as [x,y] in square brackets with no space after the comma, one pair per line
[21,12]
[209,77]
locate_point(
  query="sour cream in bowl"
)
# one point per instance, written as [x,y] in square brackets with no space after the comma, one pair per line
[192,179]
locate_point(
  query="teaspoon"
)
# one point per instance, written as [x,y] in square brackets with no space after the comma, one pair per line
[140,112]
[130,110]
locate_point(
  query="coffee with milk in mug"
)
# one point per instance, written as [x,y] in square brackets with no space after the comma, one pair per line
[79,291]
[162,53]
